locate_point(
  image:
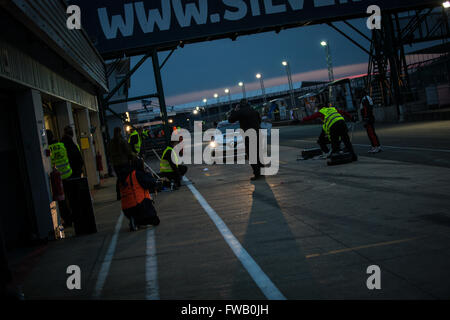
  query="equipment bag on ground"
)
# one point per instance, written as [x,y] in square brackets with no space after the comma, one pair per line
[340,158]
[310,153]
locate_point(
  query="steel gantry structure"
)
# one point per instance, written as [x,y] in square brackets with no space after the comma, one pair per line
[106,101]
[387,77]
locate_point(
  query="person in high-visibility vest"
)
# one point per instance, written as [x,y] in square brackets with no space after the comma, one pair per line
[135,141]
[60,160]
[170,167]
[334,128]
[137,204]
[58,156]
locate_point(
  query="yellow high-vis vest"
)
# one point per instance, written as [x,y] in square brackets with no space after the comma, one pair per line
[137,146]
[331,116]
[59,159]
[164,165]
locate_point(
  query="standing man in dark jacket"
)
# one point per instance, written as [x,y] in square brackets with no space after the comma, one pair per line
[73,153]
[76,164]
[248,118]
[120,154]
[369,120]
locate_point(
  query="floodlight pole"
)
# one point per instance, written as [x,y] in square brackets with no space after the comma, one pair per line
[291,85]
[227,91]
[326,45]
[242,85]
[263,89]
[162,100]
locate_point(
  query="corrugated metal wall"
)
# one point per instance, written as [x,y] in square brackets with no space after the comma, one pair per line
[49,17]
[20,68]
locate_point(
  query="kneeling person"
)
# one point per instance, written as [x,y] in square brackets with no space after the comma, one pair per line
[137,204]
[335,127]
[169,167]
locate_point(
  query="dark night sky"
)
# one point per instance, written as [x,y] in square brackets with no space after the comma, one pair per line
[199,70]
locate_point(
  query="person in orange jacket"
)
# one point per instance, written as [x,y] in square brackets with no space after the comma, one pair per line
[135,187]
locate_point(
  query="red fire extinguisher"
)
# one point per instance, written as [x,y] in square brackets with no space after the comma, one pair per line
[99,162]
[57,185]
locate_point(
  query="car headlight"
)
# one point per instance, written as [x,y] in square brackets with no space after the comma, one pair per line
[213,144]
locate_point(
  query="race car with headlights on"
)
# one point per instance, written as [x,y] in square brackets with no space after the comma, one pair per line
[234,146]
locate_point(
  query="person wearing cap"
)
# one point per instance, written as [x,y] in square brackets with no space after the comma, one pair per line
[248,118]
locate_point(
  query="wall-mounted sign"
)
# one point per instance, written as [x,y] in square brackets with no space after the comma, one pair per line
[84,143]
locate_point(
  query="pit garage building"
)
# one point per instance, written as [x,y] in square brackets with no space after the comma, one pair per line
[50,77]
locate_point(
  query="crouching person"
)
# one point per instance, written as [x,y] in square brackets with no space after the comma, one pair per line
[137,204]
[169,167]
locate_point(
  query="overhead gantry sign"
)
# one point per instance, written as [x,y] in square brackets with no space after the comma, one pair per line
[132,27]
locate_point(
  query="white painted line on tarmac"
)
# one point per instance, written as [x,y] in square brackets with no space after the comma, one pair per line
[405,148]
[106,264]
[261,279]
[151,267]
[309,141]
[392,147]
